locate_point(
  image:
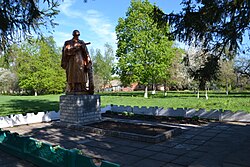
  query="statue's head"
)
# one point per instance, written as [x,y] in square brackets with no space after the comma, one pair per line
[76,33]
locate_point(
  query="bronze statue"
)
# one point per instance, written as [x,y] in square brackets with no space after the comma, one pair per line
[77,63]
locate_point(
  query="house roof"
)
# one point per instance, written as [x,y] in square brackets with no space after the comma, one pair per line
[115,83]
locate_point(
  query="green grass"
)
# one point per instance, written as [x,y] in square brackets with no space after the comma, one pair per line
[180,94]
[234,102]
[24,104]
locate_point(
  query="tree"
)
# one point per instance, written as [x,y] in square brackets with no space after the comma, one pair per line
[242,69]
[97,63]
[8,80]
[38,67]
[108,65]
[144,52]
[179,76]
[20,18]
[243,66]
[227,74]
[102,66]
[203,67]
[216,25]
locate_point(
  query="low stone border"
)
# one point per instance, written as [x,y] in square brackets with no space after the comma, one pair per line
[226,115]
[29,118]
[125,135]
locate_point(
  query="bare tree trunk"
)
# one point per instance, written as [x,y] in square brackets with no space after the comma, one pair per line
[146,92]
[226,88]
[165,89]
[198,93]
[206,95]
[154,89]
[35,93]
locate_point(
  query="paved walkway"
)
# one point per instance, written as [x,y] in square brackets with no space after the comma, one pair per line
[7,160]
[213,145]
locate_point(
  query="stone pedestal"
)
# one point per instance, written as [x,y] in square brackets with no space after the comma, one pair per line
[79,109]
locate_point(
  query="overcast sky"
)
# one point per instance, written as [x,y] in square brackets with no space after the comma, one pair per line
[96,20]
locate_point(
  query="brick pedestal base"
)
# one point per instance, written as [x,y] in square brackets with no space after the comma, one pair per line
[79,109]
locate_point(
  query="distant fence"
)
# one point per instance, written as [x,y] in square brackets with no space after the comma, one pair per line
[43,154]
[29,118]
[220,115]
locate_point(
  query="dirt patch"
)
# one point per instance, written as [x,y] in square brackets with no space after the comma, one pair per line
[160,119]
[131,128]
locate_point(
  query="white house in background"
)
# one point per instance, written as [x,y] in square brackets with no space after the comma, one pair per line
[116,85]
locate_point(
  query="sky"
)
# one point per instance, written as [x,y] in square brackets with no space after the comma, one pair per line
[96,20]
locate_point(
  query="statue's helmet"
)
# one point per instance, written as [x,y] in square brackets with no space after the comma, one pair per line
[76,33]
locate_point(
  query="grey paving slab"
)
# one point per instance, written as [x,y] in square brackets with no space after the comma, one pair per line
[169,144]
[94,152]
[208,134]
[149,163]
[195,142]
[68,144]
[172,165]
[194,154]
[222,127]
[142,153]
[155,148]
[224,135]
[203,149]
[216,144]
[213,130]
[180,139]
[131,143]
[124,149]
[198,137]
[184,137]
[242,157]
[163,157]
[175,151]
[127,160]
[186,146]
[235,152]
[218,139]
[183,160]
[7,160]
[231,165]
[111,140]
[102,145]
[207,160]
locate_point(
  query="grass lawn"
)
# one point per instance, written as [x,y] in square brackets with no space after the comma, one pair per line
[23,104]
[234,102]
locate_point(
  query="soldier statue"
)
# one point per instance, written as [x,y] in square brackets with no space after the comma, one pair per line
[77,63]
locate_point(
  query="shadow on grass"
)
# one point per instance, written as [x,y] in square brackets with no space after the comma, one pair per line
[27,106]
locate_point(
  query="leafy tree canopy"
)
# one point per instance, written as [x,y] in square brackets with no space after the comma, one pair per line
[37,64]
[20,18]
[144,51]
[218,25]
[243,66]
[102,66]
